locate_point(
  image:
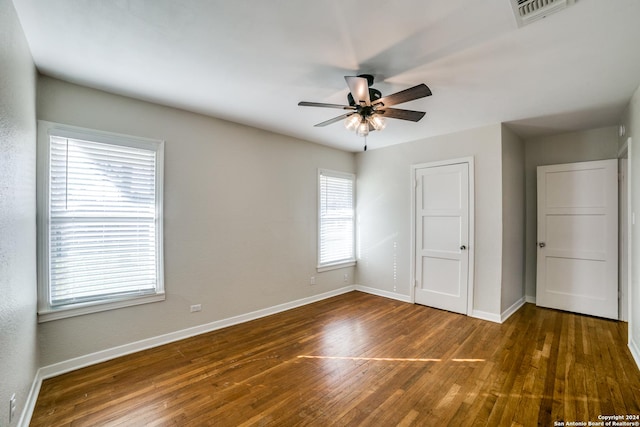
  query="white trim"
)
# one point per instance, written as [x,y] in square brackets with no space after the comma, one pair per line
[97,306]
[471,244]
[76,132]
[385,294]
[633,320]
[530,299]
[484,315]
[320,267]
[514,307]
[625,146]
[624,229]
[635,352]
[336,266]
[472,222]
[47,129]
[32,398]
[412,231]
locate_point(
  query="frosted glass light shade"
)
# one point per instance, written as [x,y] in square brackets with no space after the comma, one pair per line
[352,121]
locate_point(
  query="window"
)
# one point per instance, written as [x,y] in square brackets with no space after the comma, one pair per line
[335,220]
[99,220]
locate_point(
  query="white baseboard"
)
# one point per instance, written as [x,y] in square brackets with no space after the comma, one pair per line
[484,315]
[635,351]
[515,307]
[381,293]
[530,299]
[492,317]
[111,353]
[30,404]
[499,318]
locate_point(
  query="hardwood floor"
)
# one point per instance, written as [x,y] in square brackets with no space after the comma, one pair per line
[358,359]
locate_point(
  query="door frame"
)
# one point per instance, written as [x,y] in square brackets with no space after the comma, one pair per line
[625,228]
[471,244]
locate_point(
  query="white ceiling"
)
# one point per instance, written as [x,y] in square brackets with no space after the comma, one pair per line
[251,61]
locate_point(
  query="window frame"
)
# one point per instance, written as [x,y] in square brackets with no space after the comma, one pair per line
[47,312]
[351,261]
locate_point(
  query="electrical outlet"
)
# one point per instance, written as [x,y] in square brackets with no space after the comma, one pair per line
[313,280]
[196,307]
[12,407]
[345,278]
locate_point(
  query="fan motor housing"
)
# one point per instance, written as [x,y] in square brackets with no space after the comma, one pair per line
[374,94]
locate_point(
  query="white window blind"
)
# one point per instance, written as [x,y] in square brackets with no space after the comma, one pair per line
[336,219]
[104,223]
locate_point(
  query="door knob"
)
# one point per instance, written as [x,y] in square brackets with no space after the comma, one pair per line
[463,247]
[542,244]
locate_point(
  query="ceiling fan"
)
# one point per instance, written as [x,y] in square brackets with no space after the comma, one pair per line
[368,108]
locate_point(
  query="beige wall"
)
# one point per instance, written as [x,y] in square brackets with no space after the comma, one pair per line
[240,218]
[631,121]
[384,214]
[596,144]
[18,349]
[513,208]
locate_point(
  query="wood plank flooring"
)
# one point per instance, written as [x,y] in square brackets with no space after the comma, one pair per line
[362,360]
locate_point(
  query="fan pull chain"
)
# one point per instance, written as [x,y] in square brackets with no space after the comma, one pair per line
[365,143]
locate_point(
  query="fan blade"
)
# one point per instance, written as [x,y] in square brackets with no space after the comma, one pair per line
[321,104]
[359,88]
[406,95]
[396,113]
[334,120]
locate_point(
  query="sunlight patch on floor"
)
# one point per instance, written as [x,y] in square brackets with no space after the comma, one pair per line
[386,359]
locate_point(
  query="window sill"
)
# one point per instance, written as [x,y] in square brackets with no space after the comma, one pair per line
[335,266]
[95,307]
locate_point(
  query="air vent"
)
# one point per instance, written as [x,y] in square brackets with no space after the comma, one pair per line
[528,11]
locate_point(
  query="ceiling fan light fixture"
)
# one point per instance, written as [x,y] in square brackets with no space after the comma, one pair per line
[352,121]
[377,122]
[367,106]
[363,128]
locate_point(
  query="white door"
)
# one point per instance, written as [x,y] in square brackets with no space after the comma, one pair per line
[577,268]
[442,236]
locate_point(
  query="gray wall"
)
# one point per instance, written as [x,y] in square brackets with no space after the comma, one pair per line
[240,218]
[571,147]
[18,348]
[384,211]
[513,207]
